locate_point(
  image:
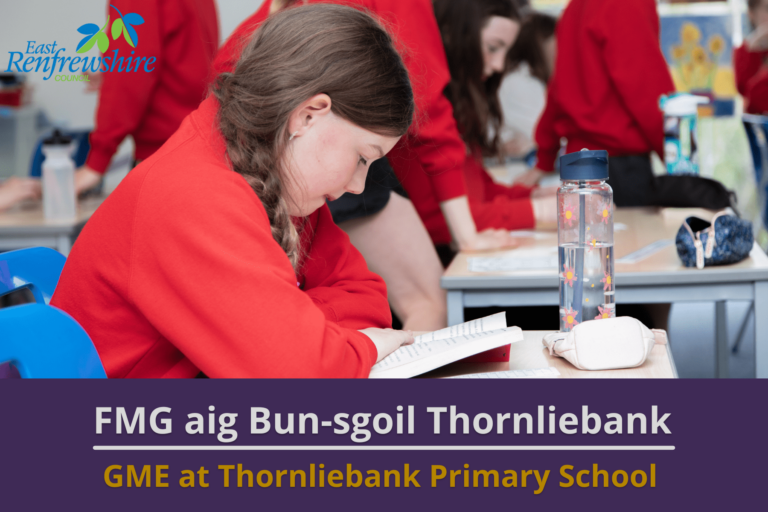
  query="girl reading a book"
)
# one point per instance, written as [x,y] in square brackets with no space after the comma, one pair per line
[217,255]
[426,166]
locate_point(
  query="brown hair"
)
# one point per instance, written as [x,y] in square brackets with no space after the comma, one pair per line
[529,47]
[296,54]
[475,101]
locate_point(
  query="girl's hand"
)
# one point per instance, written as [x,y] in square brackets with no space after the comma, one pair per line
[387,340]
[16,189]
[493,239]
[85,179]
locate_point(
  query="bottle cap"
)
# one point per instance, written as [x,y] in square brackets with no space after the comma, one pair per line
[57,139]
[584,165]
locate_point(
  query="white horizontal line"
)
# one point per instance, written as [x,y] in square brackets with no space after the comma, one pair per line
[381,448]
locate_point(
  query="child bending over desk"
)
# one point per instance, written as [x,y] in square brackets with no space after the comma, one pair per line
[217,255]
[477,34]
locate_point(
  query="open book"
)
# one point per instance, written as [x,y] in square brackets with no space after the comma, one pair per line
[439,348]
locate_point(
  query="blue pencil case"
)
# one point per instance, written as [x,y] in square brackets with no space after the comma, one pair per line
[727,239]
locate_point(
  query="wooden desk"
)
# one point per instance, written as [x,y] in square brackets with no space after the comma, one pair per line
[530,354]
[659,278]
[25,226]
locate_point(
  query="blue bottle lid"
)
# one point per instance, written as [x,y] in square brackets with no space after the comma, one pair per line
[584,165]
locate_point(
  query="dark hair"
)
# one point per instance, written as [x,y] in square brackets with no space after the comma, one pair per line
[529,47]
[751,6]
[294,55]
[475,101]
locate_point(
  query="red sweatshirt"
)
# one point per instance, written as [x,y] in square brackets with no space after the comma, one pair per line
[492,205]
[434,147]
[177,273]
[182,36]
[608,78]
[752,78]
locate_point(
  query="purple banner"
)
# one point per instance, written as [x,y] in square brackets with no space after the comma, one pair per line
[374,445]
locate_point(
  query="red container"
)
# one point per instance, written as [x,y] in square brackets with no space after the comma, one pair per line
[14,96]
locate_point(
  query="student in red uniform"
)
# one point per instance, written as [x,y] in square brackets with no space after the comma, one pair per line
[182,36]
[477,35]
[383,217]
[605,91]
[217,255]
[750,61]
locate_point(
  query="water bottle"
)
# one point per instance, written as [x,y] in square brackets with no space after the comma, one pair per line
[59,202]
[585,239]
[680,133]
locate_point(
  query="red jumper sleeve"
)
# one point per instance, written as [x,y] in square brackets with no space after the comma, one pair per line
[494,205]
[123,97]
[746,64]
[234,308]
[629,32]
[503,213]
[337,279]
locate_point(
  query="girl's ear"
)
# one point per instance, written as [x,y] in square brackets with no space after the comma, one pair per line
[308,113]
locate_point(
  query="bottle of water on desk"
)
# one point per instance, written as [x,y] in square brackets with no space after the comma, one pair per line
[59,202]
[585,239]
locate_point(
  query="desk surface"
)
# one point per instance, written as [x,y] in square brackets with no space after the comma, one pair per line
[644,226]
[27,218]
[530,354]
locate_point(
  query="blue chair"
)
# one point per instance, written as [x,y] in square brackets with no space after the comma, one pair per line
[41,341]
[36,269]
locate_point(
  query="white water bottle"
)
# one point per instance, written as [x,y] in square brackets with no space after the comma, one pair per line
[59,201]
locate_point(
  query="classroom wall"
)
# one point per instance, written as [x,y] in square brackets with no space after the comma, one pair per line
[66,103]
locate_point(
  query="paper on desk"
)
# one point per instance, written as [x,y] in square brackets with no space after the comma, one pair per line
[536,258]
[538,235]
[620,226]
[535,373]
[646,251]
[488,323]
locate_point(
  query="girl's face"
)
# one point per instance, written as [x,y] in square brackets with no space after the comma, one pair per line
[759,15]
[328,156]
[496,38]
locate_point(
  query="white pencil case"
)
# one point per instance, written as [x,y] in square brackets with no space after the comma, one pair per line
[606,344]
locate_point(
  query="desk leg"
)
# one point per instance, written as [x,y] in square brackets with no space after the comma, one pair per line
[63,244]
[761,329]
[721,340]
[455,307]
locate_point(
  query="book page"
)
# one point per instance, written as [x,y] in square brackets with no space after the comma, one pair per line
[488,323]
[507,264]
[416,359]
